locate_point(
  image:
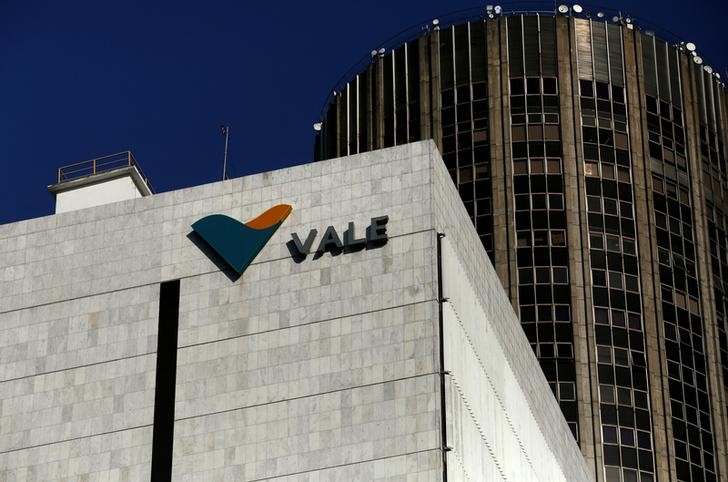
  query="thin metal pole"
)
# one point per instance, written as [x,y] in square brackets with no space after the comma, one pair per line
[226,131]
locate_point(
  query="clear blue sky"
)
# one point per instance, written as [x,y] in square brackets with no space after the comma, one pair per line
[81,79]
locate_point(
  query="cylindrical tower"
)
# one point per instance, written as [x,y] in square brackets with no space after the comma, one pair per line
[591,157]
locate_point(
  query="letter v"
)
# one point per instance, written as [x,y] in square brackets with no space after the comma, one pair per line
[304,248]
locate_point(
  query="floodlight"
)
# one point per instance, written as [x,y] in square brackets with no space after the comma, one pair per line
[708,69]
[698,60]
[563,9]
[317,127]
[577,8]
[374,53]
[381,51]
[690,46]
[615,19]
[498,9]
[435,22]
[600,14]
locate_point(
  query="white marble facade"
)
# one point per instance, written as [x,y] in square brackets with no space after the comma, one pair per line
[325,369]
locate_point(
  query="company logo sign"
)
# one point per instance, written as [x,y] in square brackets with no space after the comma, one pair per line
[239,243]
[376,236]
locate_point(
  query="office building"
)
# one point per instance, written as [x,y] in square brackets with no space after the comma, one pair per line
[369,340]
[591,158]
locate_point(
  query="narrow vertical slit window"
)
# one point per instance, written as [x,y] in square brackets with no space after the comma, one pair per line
[164,393]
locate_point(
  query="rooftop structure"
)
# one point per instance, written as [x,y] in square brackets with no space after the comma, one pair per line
[107,179]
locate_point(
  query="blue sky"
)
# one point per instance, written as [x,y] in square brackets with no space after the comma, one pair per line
[81,79]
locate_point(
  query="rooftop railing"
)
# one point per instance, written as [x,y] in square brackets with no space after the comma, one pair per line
[100,165]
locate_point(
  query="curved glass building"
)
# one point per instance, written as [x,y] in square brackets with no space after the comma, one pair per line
[591,157]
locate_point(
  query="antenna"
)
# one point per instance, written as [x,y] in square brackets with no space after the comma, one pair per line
[225,130]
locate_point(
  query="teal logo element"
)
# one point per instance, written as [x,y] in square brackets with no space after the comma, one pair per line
[239,243]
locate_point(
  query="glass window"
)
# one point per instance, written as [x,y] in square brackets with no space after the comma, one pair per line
[567,391]
[591,169]
[556,201]
[624,396]
[621,357]
[560,275]
[533,85]
[518,133]
[585,86]
[558,238]
[549,85]
[626,436]
[551,132]
[609,433]
[601,316]
[517,86]
[615,280]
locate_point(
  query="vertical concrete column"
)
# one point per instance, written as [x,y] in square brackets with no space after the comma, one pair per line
[435,104]
[576,233]
[501,165]
[425,93]
[370,107]
[378,93]
[337,106]
[647,244]
[705,278]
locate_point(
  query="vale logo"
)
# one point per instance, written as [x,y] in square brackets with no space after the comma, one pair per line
[239,243]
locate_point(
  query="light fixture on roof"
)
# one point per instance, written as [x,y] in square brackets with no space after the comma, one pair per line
[690,47]
[708,69]
[697,59]
[498,9]
[374,53]
[717,75]
[435,22]
[317,127]
[381,52]
[577,8]
[616,19]
[563,9]
[600,14]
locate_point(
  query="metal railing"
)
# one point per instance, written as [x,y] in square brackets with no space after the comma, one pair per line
[100,165]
